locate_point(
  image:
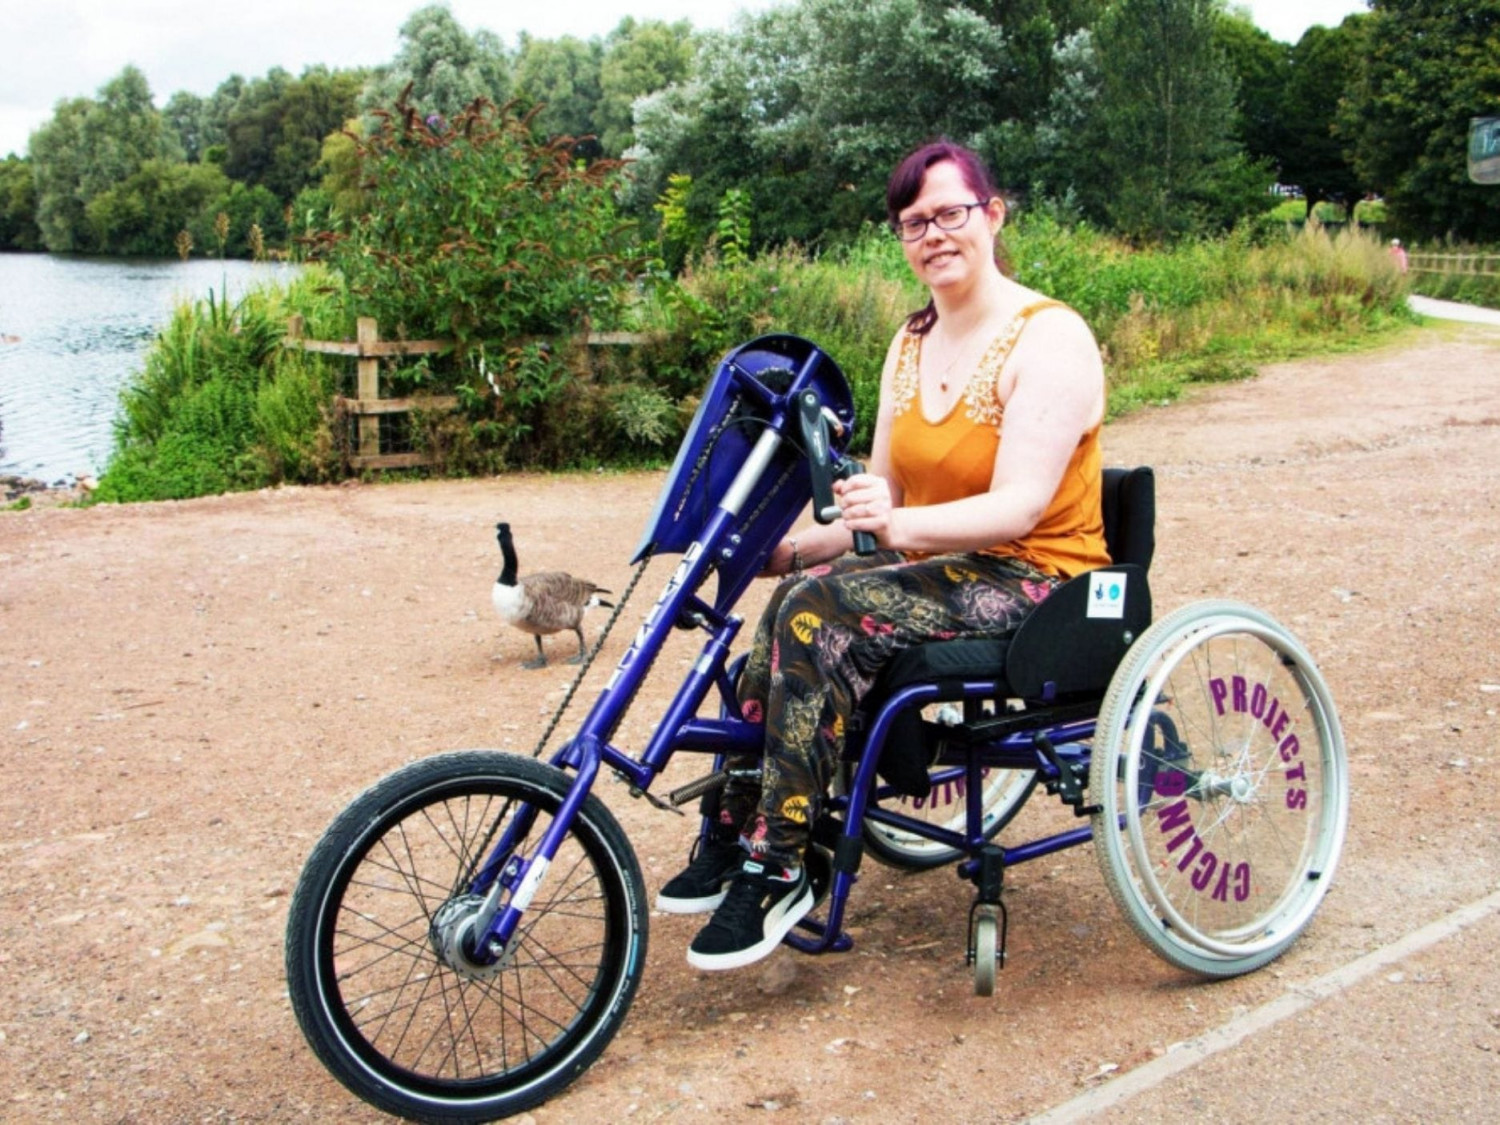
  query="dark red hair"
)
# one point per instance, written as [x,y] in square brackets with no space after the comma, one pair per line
[906,184]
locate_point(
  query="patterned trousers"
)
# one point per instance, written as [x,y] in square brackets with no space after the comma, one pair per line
[820,644]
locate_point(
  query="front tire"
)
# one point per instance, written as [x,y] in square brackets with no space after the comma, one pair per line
[385,1003]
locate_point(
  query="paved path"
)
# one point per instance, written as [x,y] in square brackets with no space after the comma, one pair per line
[1452,310]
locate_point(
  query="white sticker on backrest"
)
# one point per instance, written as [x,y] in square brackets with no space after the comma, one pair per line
[1107,594]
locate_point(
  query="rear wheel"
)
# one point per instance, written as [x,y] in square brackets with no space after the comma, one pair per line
[383,976]
[1005,791]
[1219,772]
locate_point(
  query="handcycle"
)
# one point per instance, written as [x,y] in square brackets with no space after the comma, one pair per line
[468,935]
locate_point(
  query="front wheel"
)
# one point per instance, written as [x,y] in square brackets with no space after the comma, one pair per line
[380,978]
[1222,787]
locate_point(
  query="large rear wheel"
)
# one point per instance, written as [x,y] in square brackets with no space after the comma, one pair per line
[1219,773]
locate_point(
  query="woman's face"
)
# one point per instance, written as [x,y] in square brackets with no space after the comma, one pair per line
[947,258]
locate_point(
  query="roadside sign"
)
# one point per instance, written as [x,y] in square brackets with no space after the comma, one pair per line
[1484,150]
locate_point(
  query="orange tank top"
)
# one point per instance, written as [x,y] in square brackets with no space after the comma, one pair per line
[954,458]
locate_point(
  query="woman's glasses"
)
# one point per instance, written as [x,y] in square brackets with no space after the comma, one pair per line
[949,218]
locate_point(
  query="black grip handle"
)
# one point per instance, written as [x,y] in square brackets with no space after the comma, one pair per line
[864,542]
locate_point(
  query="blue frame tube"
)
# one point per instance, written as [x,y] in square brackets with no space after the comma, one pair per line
[589,748]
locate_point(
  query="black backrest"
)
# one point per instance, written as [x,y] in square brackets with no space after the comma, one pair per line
[1129,503]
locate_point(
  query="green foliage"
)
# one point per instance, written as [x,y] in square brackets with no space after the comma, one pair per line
[1262,68]
[800,108]
[1429,66]
[1161,127]
[477,232]
[1324,65]
[639,58]
[676,235]
[273,134]
[732,235]
[88,148]
[18,229]
[559,79]
[219,405]
[440,68]
[143,213]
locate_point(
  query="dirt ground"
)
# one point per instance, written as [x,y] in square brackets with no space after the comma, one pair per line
[189,692]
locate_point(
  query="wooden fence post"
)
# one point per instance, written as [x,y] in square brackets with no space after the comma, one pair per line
[367,335]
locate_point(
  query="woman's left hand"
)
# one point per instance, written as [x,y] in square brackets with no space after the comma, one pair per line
[867,506]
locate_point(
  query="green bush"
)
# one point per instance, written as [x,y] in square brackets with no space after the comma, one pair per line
[220,405]
[1200,311]
[474,231]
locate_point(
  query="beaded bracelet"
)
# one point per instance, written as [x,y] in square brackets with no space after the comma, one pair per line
[796,557]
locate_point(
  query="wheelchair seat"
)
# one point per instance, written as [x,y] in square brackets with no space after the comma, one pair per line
[1064,653]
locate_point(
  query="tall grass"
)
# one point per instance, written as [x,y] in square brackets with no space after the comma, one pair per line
[220,405]
[1211,310]
[1203,311]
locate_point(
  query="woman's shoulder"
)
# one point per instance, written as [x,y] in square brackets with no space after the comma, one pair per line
[1051,318]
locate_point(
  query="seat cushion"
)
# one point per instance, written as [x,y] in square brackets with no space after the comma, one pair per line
[944,663]
[909,748]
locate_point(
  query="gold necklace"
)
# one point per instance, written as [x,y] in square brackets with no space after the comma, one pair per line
[952,363]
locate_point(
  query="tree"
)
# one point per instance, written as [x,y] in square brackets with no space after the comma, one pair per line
[1429,66]
[639,59]
[808,106]
[1067,163]
[275,130]
[18,229]
[186,115]
[1262,68]
[57,157]
[89,147]
[562,76]
[445,67]
[1163,130]
[142,214]
[1325,66]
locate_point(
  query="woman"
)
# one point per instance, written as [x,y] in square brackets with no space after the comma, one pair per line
[983,492]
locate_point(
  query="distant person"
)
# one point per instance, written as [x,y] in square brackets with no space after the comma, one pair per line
[1398,254]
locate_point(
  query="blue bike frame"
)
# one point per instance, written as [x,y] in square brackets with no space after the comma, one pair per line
[725,519]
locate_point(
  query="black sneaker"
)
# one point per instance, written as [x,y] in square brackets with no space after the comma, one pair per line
[756,914]
[700,886]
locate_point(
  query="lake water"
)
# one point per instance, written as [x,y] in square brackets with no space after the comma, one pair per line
[72,333]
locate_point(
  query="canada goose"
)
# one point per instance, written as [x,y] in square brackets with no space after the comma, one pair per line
[542,603]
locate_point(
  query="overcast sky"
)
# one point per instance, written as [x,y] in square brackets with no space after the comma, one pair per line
[58,49]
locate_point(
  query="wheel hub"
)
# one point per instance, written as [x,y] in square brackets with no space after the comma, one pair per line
[452,934]
[1238,787]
